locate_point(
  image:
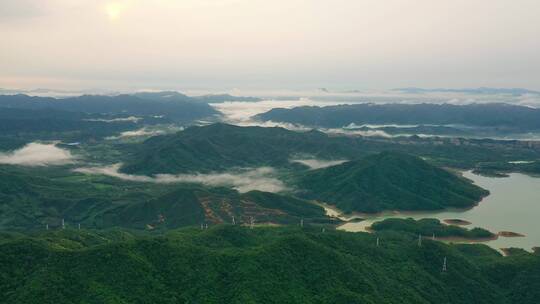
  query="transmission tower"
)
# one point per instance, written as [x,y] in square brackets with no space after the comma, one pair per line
[444,265]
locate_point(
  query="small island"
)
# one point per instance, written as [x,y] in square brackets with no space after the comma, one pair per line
[510,234]
[512,251]
[457,222]
[490,173]
[433,227]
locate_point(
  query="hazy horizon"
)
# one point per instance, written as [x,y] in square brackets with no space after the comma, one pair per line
[295,44]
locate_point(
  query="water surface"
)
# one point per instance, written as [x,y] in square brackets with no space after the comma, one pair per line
[513,205]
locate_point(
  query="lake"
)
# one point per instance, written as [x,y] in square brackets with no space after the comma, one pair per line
[513,205]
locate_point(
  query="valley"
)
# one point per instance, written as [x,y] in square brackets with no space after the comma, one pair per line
[79,185]
[269,152]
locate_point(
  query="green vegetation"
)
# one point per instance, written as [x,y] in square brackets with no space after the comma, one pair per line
[232,264]
[34,197]
[219,147]
[500,169]
[389,181]
[504,117]
[130,248]
[429,227]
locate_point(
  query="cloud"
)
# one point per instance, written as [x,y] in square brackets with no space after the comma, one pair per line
[353,126]
[313,163]
[238,112]
[147,132]
[273,124]
[366,133]
[261,179]
[20,9]
[36,154]
[121,119]
[137,133]
[242,113]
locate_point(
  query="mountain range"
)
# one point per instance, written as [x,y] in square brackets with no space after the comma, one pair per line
[219,147]
[493,115]
[178,109]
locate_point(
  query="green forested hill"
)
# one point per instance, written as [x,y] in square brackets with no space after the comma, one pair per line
[219,147]
[31,198]
[231,264]
[389,181]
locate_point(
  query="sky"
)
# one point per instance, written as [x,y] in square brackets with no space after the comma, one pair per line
[341,44]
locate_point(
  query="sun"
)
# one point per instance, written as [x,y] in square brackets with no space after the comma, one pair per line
[114,9]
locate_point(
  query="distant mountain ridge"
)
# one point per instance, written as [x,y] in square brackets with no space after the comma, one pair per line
[389,181]
[52,124]
[220,98]
[481,90]
[179,109]
[494,115]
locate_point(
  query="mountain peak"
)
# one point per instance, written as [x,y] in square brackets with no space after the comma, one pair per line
[389,181]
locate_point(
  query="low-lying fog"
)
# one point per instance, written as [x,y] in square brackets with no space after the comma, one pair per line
[313,163]
[37,154]
[241,113]
[121,119]
[243,180]
[137,133]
